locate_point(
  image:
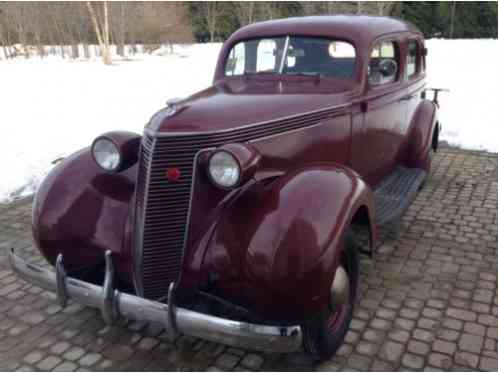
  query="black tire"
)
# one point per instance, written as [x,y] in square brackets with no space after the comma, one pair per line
[324,333]
[430,156]
[428,165]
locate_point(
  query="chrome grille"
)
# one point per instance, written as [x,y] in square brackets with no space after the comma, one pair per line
[162,207]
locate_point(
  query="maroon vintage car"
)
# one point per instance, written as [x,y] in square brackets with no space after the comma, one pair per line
[233,217]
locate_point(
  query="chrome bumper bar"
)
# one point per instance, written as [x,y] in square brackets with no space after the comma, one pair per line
[114,304]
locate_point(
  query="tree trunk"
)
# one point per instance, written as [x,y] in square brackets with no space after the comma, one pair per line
[75,53]
[102,36]
[107,51]
[452,19]
[22,39]
[6,52]
[60,37]
[359,9]
[39,46]
[211,17]
[331,7]
[121,33]
[86,51]
[3,42]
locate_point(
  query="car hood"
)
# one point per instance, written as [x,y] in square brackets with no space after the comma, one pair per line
[239,102]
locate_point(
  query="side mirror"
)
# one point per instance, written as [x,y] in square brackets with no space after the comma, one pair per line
[388,68]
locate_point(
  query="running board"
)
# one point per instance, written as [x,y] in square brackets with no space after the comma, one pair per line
[395,193]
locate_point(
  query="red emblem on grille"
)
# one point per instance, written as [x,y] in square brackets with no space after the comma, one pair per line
[173,174]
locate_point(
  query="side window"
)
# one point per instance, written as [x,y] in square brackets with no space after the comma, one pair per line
[266,55]
[236,61]
[255,56]
[384,63]
[413,58]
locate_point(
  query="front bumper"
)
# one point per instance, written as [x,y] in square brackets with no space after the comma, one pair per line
[114,304]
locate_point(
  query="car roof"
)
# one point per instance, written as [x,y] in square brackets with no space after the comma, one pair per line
[361,29]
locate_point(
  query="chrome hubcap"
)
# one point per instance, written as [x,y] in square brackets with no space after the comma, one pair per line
[339,291]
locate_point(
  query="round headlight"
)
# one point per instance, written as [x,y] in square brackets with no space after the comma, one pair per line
[106,154]
[224,169]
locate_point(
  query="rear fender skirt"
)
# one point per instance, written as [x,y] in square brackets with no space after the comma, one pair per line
[421,132]
[275,248]
[81,211]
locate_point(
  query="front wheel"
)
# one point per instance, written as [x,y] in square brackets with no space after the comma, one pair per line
[324,333]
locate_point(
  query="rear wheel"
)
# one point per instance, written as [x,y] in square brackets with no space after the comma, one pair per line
[428,160]
[324,333]
[427,166]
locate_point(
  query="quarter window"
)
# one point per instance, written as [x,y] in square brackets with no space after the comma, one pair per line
[384,63]
[236,61]
[413,58]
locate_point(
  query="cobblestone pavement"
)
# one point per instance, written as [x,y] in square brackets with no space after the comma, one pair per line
[429,299]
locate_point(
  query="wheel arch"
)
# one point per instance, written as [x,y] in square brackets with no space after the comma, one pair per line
[363,219]
[277,245]
[420,139]
[80,211]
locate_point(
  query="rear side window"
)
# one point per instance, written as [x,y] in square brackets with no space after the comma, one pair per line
[413,58]
[384,63]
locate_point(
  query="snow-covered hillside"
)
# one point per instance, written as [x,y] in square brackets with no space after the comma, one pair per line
[50,108]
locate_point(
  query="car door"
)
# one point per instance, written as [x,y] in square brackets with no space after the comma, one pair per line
[415,73]
[376,143]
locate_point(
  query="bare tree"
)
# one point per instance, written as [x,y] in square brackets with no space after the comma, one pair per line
[452,18]
[101,31]
[359,8]
[310,7]
[384,7]
[119,26]
[331,7]
[4,34]
[210,10]
[165,23]
[269,9]
[17,22]
[334,7]
[245,12]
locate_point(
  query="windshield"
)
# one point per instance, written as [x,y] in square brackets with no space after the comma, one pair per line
[292,55]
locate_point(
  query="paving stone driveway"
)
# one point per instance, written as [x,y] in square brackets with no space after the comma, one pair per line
[429,299]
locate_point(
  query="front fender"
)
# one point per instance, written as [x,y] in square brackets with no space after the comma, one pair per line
[421,133]
[275,248]
[80,211]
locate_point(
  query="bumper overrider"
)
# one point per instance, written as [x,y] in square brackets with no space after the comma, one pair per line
[114,304]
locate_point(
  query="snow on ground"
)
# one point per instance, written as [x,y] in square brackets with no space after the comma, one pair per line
[469,112]
[50,108]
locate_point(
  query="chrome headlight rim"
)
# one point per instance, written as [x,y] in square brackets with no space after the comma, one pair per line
[116,149]
[237,163]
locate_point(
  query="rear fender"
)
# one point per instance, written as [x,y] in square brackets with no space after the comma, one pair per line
[421,135]
[80,211]
[276,247]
